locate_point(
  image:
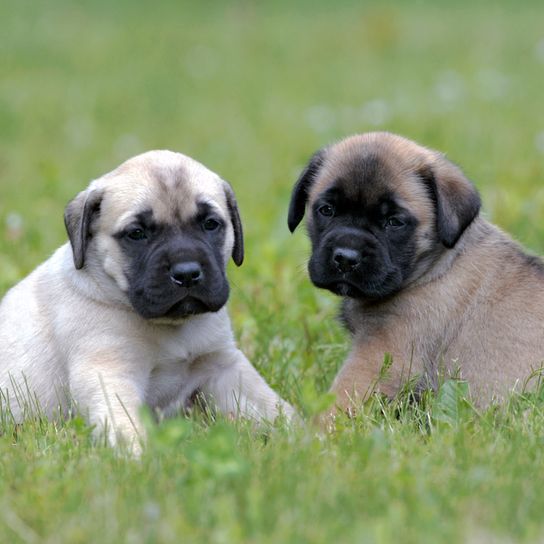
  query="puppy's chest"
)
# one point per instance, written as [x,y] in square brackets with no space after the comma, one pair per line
[174,350]
[173,375]
[185,343]
[170,383]
[171,364]
[171,378]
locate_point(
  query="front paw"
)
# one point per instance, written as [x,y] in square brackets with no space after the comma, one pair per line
[124,440]
[326,421]
[287,413]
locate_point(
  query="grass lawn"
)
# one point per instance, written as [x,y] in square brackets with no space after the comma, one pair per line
[251,89]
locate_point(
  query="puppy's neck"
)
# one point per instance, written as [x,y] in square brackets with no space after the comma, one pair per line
[86,284]
[440,263]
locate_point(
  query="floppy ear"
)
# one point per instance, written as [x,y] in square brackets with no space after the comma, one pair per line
[299,196]
[457,201]
[232,205]
[78,216]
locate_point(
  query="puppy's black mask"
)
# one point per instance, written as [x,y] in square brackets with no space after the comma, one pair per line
[357,250]
[175,271]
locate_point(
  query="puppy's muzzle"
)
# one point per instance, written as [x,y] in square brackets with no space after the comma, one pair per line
[345,259]
[186,274]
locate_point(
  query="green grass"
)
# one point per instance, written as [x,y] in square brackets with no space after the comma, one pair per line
[251,89]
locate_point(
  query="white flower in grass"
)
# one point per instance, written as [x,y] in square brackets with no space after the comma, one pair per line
[126,146]
[152,511]
[539,50]
[201,62]
[376,112]
[14,226]
[539,142]
[449,88]
[79,131]
[493,85]
[320,118]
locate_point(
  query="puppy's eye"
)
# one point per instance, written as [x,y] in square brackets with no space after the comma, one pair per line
[326,210]
[211,224]
[137,234]
[395,222]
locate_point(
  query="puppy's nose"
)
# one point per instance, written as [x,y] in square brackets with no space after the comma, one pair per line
[186,274]
[346,259]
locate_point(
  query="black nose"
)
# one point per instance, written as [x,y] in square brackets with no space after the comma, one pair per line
[346,259]
[186,274]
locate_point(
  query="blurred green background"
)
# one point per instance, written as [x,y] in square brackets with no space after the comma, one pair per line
[252,89]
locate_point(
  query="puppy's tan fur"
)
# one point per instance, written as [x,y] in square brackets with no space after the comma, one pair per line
[476,308]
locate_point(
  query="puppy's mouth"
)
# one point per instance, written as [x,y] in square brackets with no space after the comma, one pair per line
[188,306]
[369,290]
[345,289]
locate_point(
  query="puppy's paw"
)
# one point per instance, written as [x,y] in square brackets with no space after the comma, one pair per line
[288,414]
[326,421]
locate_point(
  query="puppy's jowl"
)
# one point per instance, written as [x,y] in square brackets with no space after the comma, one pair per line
[131,311]
[395,230]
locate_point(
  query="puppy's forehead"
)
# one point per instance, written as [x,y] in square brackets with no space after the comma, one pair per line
[366,167]
[170,184]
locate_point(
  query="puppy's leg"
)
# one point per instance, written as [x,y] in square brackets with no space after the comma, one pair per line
[109,389]
[369,368]
[237,389]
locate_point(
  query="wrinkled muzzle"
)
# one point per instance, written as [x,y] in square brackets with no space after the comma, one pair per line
[178,282]
[352,262]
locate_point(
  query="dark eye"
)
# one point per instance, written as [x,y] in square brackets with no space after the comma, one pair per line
[137,234]
[326,210]
[395,222]
[211,224]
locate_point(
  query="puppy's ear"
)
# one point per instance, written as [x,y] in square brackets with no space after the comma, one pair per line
[232,205]
[78,217]
[299,196]
[457,201]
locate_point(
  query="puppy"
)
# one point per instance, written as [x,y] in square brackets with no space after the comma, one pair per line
[132,311]
[395,230]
